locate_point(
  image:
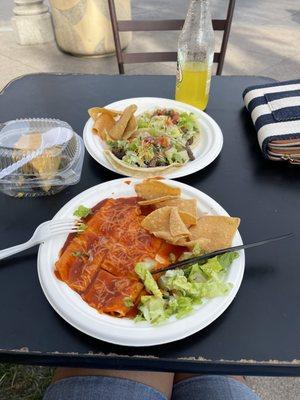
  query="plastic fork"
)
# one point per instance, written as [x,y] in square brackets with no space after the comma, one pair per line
[43,232]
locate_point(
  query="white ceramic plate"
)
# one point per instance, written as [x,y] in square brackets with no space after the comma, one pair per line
[70,306]
[207,149]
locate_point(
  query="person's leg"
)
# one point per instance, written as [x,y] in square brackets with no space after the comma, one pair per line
[182,375]
[92,384]
[211,387]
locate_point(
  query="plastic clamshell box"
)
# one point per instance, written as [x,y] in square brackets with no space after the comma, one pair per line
[39,157]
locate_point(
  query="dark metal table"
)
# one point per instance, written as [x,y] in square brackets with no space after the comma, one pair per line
[258,334]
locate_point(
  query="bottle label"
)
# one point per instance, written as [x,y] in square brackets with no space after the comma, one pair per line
[178,74]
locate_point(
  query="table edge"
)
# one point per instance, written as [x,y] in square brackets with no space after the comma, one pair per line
[10,83]
[149,363]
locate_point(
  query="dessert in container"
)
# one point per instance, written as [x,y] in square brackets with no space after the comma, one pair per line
[39,157]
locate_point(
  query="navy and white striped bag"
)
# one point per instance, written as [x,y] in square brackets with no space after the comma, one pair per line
[275,112]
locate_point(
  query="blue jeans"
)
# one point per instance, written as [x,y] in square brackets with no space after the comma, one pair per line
[109,388]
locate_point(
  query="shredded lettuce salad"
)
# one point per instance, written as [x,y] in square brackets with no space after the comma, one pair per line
[178,291]
[163,137]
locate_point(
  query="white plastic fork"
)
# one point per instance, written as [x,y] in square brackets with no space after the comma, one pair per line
[43,232]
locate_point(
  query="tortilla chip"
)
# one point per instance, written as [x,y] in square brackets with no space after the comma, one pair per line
[153,189]
[94,112]
[203,242]
[166,236]
[188,219]
[187,209]
[158,220]
[130,128]
[46,165]
[177,226]
[154,201]
[166,224]
[185,205]
[220,230]
[103,124]
[118,130]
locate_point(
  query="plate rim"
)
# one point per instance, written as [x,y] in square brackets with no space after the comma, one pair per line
[210,157]
[62,311]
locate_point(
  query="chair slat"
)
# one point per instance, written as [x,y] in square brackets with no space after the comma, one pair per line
[132,58]
[144,26]
[219,24]
[162,25]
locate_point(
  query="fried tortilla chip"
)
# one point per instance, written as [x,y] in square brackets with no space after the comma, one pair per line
[187,218]
[154,189]
[130,128]
[203,242]
[177,226]
[154,201]
[220,230]
[118,130]
[46,165]
[187,209]
[158,220]
[94,112]
[103,124]
[166,224]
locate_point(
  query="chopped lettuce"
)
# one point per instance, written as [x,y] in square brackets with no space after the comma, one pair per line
[211,266]
[213,288]
[179,290]
[196,274]
[143,121]
[226,259]
[152,309]
[82,212]
[81,227]
[197,250]
[184,306]
[142,270]
[133,159]
[175,281]
[188,121]
[175,156]
[128,302]
[159,123]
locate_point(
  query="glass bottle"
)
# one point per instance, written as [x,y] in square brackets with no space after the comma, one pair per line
[195,56]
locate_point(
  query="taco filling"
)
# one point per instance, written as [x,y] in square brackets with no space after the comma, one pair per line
[162,138]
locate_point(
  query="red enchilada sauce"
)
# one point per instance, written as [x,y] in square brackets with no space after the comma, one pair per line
[99,262]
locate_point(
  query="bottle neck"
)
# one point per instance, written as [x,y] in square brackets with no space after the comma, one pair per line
[199,14]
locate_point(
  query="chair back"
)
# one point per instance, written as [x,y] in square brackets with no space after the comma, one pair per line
[163,25]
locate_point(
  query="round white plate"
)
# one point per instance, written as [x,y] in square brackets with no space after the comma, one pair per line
[70,306]
[208,148]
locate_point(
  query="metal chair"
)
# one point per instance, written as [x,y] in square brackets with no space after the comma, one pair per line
[163,25]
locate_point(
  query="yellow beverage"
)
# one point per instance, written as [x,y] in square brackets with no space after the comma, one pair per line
[193,83]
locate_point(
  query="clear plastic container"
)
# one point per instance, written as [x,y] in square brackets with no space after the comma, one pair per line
[39,157]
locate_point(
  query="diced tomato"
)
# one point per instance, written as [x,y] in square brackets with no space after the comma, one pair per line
[163,141]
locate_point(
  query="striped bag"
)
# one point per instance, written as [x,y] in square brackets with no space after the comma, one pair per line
[275,112]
